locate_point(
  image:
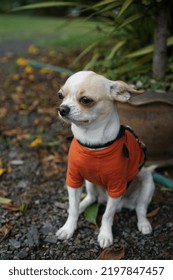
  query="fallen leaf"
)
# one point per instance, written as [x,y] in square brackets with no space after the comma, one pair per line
[113,253]
[61,205]
[15,76]
[153,213]
[91,213]
[51,169]
[19,89]
[4,231]
[45,71]
[4,200]
[8,204]
[37,142]
[21,61]
[15,132]
[12,207]
[2,171]
[51,163]
[28,70]
[3,112]
[57,158]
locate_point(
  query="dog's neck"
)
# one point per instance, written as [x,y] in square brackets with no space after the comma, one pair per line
[99,132]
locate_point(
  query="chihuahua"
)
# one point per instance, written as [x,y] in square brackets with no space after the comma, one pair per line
[104,155]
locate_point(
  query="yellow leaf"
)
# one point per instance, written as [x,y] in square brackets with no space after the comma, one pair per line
[33,50]
[21,61]
[19,89]
[4,200]
[2,171]
[45,71]
[28,69]
[37,142]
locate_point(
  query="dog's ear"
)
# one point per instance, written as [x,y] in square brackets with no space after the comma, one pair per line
[122,92]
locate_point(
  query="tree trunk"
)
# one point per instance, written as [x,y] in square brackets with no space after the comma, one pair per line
[160,37]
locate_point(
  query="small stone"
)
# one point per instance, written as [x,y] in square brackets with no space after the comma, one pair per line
[48,229]
[169,225]
[17,162]
[33,237]
[23,254]
[22,184]
[15,258]
[37,201]
[16,244]
[51,239]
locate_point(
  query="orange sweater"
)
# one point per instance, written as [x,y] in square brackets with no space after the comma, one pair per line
[107,167]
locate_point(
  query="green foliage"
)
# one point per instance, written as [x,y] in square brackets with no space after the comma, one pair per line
[47,5]
[144,81]
[125,46]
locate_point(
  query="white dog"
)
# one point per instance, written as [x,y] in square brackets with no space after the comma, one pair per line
[102,153]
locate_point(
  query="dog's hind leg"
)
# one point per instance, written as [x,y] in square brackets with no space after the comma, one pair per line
[145,196]
[90,197]
[69,227]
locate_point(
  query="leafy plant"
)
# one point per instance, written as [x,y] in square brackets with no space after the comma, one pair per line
[133,25]
[128,29]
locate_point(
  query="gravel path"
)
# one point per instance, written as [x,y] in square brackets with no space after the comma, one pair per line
[32,233]
[35,178]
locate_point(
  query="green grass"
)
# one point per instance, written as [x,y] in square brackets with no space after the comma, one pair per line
[50,32]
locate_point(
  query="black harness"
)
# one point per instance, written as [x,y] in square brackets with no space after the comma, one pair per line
[107,144]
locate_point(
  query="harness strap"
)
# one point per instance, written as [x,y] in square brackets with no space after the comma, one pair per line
[141,145]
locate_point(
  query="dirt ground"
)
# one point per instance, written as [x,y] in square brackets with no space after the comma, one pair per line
[33,159]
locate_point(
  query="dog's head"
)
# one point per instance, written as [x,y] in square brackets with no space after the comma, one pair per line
[88,97]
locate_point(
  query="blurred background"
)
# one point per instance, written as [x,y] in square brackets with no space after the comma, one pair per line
[131,39]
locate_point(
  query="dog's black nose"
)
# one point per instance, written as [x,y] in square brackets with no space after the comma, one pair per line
[64,110]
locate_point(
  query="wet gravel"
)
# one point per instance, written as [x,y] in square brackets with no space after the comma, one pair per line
[32,232]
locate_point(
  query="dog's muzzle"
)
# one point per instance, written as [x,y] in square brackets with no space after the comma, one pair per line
[64,110]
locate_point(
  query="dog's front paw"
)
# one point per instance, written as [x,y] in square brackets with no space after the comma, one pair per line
[105,239]
[64,233]
[145,227]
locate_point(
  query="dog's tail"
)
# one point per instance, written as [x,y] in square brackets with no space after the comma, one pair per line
[152,167]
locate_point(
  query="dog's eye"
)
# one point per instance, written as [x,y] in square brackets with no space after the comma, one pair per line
[60,95]
[85,100]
